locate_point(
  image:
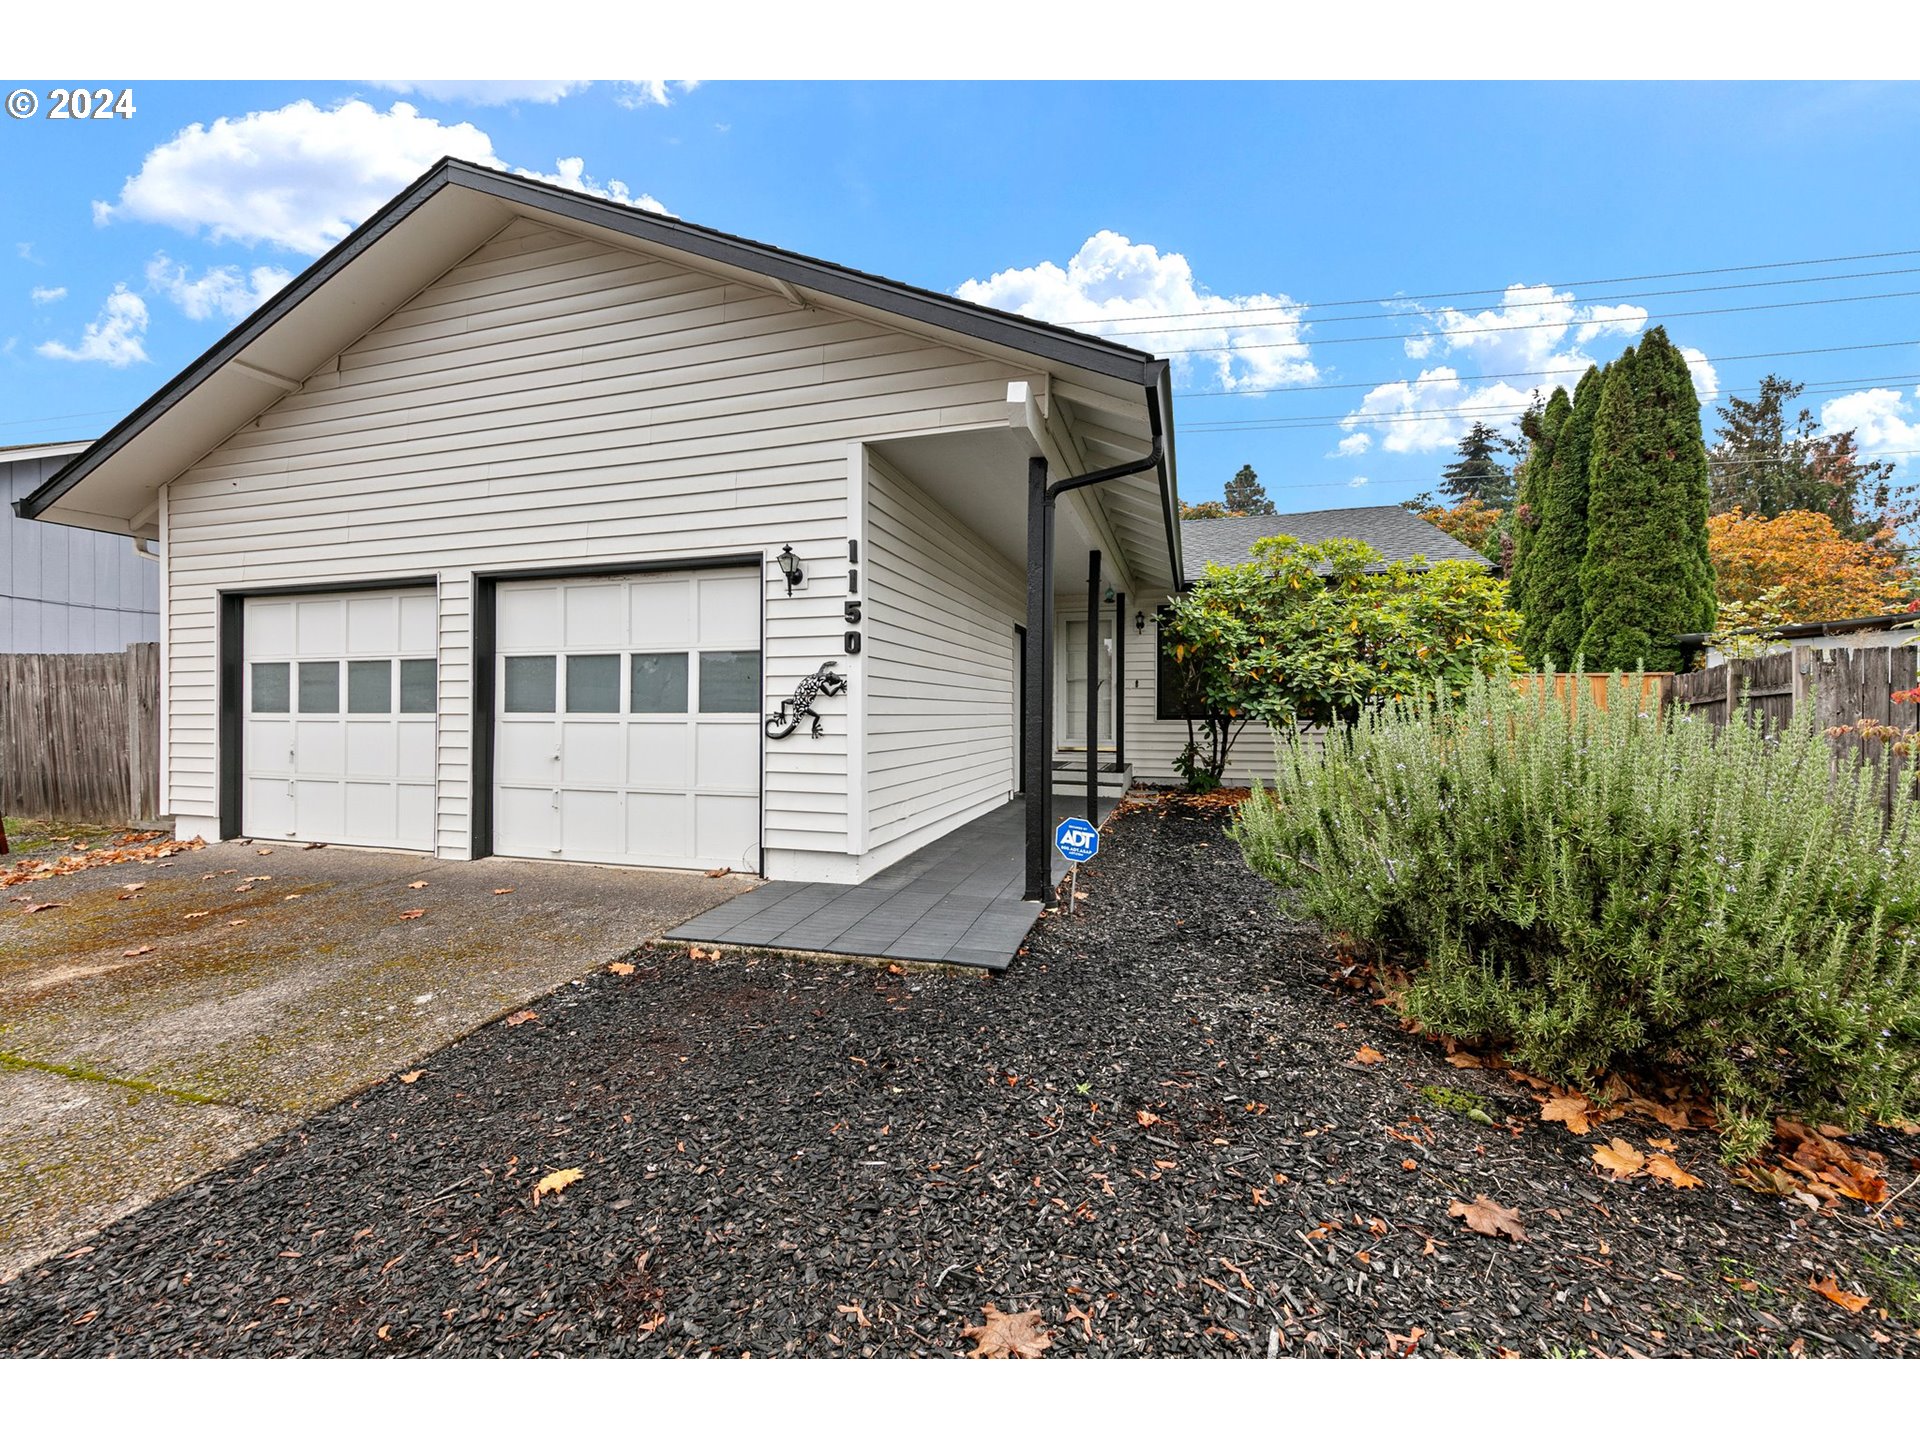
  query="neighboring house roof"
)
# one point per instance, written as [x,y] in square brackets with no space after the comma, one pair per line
[1812,629]
[275,349]
[1397,533]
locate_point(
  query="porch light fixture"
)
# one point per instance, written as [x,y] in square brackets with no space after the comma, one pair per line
[1139,622]
[790,567]
[1109,594]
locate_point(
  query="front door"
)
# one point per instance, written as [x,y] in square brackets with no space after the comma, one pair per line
[1076,676]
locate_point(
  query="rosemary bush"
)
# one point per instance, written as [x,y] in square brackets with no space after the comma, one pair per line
[1597,889]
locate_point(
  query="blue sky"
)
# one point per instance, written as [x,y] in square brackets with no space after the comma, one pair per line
[1215,210]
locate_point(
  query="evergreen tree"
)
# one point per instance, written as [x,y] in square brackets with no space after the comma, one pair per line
[1476,473]
[1647,576]
[1246,495]
[1541,429]
[1553,611]
[1767,464]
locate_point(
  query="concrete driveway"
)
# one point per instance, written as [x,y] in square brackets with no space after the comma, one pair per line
[164,1017]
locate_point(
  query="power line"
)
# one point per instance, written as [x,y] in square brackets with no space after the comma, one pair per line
[1529,374]
[1544,324]
[1559,284]
[1235,319]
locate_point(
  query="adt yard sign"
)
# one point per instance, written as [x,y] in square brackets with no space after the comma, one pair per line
[1076,840]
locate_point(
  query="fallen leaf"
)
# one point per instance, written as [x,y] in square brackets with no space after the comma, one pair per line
[1569,1109]
[1485,1217]
[1663,1167]
[36,908]
[1403,1345]
[621,967]
[1464,1061]
[140,950]
[263,852]
[196,915]
[237,923]
[416,885]
[382,1332]
[1367,1055]
[1409,1164]
[131,890]
[696,953]
[504,890]
[1019,1336]
[1619,1157]
[1084,1317]
[411,914]
[554,1181]
[1146,1117]
[521,1017]
[859,1314]
[1829,1289]
[411,1076]
[716,874]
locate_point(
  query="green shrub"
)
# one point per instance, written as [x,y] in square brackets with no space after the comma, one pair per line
[1596,890]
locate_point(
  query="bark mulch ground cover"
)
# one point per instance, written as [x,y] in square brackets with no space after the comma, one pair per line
[1153,1130]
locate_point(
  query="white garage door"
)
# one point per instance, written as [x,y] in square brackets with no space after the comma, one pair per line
[340,699]
[629,724]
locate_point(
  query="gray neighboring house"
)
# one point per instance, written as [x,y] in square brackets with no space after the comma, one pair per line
[64,590]
[1155,732]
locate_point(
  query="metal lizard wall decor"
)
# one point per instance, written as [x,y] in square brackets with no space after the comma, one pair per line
[824,681]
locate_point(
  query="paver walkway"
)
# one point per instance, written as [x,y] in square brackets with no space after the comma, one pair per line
[957,901]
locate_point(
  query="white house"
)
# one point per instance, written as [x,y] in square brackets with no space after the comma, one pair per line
[472,543]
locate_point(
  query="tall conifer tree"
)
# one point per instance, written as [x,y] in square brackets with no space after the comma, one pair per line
[1553,610]
[1543,434]
[1647,576]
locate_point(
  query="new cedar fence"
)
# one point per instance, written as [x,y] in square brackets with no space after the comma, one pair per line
[80,736]
[1843,687]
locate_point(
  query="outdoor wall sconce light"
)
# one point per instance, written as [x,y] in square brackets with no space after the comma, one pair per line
[1139,622]
[790,567]
[1109,596]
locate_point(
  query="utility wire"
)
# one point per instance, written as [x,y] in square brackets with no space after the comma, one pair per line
[1559,284]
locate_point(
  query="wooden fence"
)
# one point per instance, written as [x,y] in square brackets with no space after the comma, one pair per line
[1842,686]
[80,735]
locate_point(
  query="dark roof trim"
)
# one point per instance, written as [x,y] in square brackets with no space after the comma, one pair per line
[1801,629]
[1016,332]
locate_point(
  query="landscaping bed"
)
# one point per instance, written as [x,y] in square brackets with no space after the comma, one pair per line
[1162,1129]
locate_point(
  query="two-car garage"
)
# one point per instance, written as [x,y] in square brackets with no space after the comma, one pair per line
[625,718]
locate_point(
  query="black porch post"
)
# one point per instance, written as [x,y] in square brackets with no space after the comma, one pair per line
[1120,682]
[1093,687]
[1037,689]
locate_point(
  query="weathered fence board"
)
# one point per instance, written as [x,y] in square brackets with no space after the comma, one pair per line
[80,735]
[1844,686]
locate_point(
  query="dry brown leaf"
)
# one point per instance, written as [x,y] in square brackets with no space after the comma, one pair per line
[263,852]
[132,890]
[416,885]
[621,967]
[1020,1336]
[1570,1109]
[196,914]
[1663,1167]
[411,1076]
[38,906]
[504,890]
[237,923]
[411,914]
[1485,1217]
[138,950]
[554,1181]
[1620,1158]
[1404,1345]
[521,1017]
[1367,1055]
[1829,1289]
[1146,1117]
[1464,1061]
[716,874]
[695,952]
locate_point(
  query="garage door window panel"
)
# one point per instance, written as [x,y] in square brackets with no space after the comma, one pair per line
[419,681]
[530,684]
[659,684]
[319,687]
[271,687]
[369,687]
[593,684]
[729,682]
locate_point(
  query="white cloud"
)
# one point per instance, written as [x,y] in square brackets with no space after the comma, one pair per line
[113,338]
[487,92]
[1357,481]
[1357,442]
[1706,380]
[300,177]
[220,290]
[47,294]
[637,94]
[1881,420]
[1112,279]
[571,173]
[1424,414]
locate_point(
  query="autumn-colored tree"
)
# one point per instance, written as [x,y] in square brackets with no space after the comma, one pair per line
[1207,510]
[1802,559]
[1474,523]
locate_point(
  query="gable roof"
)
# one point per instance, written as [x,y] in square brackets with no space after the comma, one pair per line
[1398,534]
[447,213]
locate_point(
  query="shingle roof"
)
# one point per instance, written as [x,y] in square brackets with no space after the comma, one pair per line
[1396,533]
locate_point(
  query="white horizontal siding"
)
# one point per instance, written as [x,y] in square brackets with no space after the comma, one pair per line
[552,401]
[940,657]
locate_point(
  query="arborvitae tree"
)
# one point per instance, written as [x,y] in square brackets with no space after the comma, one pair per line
[1553,610]
[1246,495]
[1541,429]
[1647,576]
[1477,473]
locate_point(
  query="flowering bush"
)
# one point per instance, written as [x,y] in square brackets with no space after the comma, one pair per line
[1595,889]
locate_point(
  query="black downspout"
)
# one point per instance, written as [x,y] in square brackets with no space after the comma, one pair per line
[1093,687]
[1119,683]
[1035,699]
[1041,498]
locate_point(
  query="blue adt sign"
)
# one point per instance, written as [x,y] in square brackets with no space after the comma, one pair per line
[1077,840]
